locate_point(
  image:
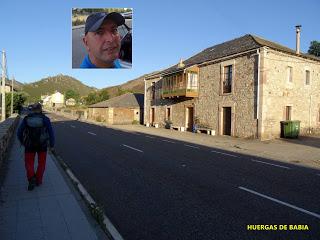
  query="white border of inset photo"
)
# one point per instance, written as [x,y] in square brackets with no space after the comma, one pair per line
[101,38]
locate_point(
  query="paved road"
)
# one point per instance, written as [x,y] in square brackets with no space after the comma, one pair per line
[158,188]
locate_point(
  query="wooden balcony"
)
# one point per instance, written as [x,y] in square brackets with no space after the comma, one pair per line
[180,92]
[181,84]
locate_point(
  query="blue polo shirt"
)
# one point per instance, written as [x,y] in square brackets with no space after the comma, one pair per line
[86,63]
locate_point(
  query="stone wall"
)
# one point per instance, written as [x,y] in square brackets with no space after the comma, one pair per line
[278,92]
[242,99]
[99,114]
[7,129]
[125,115]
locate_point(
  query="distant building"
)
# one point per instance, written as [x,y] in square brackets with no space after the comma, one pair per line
[8,86]
[70,102]
[124,109]
[46,100]
[55,100]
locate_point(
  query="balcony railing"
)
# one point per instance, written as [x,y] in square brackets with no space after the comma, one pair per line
[182,84]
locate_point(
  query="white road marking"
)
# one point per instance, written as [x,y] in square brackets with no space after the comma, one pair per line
[167,141]
[318,175]
[225,154]
[149,137]
[183,165]
[92,133]
[281,202]
[275,165]
[191,146]
[72,126]
[132,148]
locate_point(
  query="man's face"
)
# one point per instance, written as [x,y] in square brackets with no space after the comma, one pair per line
[103,46]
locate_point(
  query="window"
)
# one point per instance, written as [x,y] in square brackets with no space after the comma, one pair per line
[192,81]
[227,79]
[288,112]
[307,77]
[168,114]
[153,91]
[289,74]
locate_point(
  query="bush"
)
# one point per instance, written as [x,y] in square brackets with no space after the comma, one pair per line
[135,122]
[167,124]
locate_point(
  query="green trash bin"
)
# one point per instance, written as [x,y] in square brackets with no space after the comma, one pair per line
[290,129]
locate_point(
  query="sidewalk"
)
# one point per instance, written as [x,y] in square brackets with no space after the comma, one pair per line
[52,211]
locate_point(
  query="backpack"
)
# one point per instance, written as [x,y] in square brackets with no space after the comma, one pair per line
[35,134]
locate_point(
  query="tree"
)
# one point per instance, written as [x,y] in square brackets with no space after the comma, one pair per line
[92,98]
[72,94]
[95,97]
[122,91]
[314,48]
[103,95]
[19,99]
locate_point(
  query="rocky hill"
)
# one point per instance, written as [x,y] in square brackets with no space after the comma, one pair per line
[60,83]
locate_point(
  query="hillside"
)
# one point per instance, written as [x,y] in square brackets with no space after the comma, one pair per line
[60,83]
[134,86]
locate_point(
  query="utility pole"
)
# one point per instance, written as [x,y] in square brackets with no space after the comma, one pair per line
[12,95]
[3,106]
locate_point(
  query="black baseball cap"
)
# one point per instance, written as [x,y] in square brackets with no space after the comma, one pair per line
[37,107]
[95,20]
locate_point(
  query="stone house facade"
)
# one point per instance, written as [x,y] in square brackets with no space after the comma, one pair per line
[124,109]
[243,88]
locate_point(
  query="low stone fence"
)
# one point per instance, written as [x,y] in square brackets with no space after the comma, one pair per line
[71,113]
[7,129]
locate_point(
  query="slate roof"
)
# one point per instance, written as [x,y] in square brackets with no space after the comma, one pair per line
[128,100]
[235,46]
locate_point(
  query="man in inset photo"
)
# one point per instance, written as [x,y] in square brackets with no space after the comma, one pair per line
[107,41]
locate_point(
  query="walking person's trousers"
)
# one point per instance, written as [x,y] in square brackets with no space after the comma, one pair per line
[29,164]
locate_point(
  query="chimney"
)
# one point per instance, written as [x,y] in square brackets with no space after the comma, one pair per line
[298,29]
[181,64]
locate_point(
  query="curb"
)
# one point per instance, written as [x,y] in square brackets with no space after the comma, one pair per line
[106,226]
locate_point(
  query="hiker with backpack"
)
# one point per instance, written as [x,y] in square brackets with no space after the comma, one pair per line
[34,133]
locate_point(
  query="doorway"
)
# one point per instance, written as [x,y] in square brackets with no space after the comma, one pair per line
[226,119]
[189,118]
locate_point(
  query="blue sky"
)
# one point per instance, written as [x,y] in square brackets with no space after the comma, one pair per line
[36,34]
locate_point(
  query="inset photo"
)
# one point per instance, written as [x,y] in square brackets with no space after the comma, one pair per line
[102,38]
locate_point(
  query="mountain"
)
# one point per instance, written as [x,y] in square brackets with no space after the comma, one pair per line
[60,83]
[134,86]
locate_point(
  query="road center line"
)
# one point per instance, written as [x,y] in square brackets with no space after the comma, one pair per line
[225,154]
[167,141]
[281,202]
[132,148]
[92,133]
[275,165]
[191,146]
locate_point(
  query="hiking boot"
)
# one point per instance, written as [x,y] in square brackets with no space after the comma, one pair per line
[32,184]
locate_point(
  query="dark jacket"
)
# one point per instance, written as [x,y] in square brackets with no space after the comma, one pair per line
[47,124]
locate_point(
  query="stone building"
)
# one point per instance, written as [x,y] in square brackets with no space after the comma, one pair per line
[124,109]
[243,88]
